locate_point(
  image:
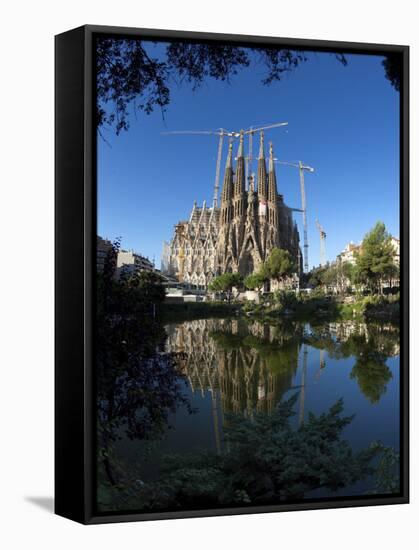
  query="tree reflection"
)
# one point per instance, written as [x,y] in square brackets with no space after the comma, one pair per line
[370,345]
[262,456]
[266,461]
[137,382]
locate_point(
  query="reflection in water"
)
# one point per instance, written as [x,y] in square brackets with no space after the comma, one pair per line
[237,374]
[249,364]
[371,345]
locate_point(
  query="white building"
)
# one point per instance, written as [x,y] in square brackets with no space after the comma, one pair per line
[348,254]
[103,247]
[130,262]
[396,245]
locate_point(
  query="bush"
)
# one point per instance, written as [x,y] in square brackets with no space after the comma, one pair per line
[285,299]
[318,293]
[382,306]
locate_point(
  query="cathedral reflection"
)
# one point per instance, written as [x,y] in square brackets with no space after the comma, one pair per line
[247,366]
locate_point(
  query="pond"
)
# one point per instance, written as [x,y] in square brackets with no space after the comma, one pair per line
[242,369]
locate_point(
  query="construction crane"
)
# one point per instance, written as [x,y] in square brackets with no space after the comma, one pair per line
[302,168]
[322,233]
[222,133]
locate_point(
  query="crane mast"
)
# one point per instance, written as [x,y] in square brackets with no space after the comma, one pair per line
[304,209]
[302,168]
[217,170]
[322,234]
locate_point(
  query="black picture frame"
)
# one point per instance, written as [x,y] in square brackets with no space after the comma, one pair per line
[75,242]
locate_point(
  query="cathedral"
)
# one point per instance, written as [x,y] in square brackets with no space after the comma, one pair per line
[237,235]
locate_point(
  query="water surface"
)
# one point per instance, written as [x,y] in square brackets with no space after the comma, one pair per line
[244,367]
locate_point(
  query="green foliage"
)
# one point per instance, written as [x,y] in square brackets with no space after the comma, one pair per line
[137,383]
[316,276]
[147,286]
[279,264]
[225,283]
[348,271]
[374,263]
[265,461]
[317,294]
[370,352]
[285,299]
[332,277]
[372,376]
[387,477]
[129,75]
[255,281]
[278,351]
[198,310]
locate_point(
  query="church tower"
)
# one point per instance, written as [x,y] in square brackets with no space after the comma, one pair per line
[272,239]
[226,247]
[262,196]
[239,199]
[239,235]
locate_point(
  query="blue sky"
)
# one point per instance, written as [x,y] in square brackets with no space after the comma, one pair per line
[343,121]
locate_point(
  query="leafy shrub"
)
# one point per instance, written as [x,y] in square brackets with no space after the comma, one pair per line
[285,299]
[265,461]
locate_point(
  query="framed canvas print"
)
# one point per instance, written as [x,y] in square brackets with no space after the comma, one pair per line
[231,274]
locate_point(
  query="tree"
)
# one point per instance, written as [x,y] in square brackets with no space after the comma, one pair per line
[280,265]
[149,284]
[347,271]
[330,276]
[392,64]
[333,276]
[225,283]
[316,276]
[137,383]
[393,273]
[375,261]
[130,74]
[256,281]
[267,460]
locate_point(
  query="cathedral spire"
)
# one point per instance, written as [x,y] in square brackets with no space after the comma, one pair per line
[193,211]
[262,145]
[228,175]
[262,170]
[226,196]
[240,175]
[240,151]
[252,184]
[229,161]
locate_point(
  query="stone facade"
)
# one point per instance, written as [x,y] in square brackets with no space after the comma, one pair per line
[238,235]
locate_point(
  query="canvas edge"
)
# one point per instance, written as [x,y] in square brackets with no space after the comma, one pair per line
[86,513]
[70,365]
